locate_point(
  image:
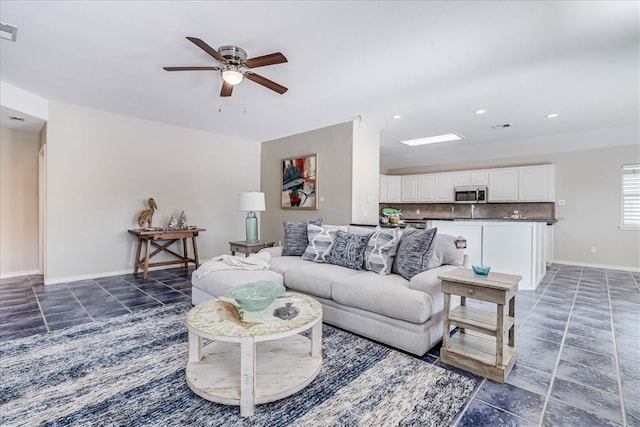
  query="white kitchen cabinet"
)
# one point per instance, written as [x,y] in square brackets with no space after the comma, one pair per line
[390,189]
[503,185]
[536,183]
[444,188]
[394,189]
[384,189]
[462,179]
[471,232]
[426,188]
[511,247]
[548,244]
[479,178]
[409,188]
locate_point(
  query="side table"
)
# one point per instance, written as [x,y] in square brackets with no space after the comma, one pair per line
[248,247]
[486,353]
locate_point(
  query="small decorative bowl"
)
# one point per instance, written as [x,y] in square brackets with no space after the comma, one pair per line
[481,270]
[256,296]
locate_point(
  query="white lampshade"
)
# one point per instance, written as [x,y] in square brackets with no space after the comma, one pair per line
[251,201]
[232,76]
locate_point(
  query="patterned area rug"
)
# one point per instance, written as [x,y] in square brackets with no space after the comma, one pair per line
[130,371]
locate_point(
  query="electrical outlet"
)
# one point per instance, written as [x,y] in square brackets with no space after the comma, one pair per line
[417,211]
[594,250]
[562,202]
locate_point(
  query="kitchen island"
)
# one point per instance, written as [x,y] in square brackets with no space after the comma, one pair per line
[512,246]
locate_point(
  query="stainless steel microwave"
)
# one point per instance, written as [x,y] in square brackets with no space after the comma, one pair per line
[470,195]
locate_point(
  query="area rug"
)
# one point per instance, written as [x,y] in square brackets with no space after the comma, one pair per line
[130,371]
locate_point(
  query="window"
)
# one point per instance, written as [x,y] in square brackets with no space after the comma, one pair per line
[630,197]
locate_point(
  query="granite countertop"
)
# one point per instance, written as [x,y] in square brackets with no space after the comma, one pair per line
[547,220]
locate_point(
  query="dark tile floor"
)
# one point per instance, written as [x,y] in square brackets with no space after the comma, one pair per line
[578,340]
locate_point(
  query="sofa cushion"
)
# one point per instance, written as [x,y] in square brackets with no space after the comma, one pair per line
[295,236]
[320,240]
[382,245]
[348,250]
[315,279]
[414,251]
[445,252]
[388,295]
[282,264]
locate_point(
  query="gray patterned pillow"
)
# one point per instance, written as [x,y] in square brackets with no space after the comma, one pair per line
[348,250]
[295,236]
[320,240]
[414,252]
[378,256]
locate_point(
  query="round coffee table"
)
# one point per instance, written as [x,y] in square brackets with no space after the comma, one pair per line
[272,359]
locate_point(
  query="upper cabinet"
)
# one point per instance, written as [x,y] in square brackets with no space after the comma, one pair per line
[536,184]
[503,185]
[409,188]
[390,188]
[444,188]
[517,184]
[426,188]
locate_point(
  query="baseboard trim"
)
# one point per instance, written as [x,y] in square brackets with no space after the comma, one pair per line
[593,265]
[67,279]
[13,274]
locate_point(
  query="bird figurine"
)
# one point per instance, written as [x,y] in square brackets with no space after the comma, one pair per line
[146,216]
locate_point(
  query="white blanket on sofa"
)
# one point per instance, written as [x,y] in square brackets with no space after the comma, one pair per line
[259,261]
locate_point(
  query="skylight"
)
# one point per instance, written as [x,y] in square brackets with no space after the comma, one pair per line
[433,139]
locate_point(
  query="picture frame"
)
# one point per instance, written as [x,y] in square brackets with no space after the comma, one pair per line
[299,182]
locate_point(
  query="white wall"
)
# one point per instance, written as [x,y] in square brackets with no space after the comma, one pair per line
[102,167]
[365,175]
[589,181]
[18,202]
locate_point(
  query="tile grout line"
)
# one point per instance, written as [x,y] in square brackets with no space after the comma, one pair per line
[615,353]
[468,403]
[564,336]
[44,319]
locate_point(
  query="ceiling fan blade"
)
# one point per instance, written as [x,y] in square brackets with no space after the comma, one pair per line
[227,89]
[266,83]
[261,61]
[191,68]
[204,46]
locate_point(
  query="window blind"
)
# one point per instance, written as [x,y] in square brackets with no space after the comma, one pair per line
[631,196]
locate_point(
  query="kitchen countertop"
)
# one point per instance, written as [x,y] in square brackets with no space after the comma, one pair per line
[547,220]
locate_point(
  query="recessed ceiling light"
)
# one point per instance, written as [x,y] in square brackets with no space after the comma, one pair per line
[433,139]
[503,126]
[480,111]
[17,118]
[551,116]
[396,116]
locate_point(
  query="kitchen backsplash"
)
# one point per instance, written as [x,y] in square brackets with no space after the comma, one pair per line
[489,210]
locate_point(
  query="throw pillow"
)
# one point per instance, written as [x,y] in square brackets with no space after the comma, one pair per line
[414,251]
[445,252]
[320,240]
[295,236]
[348,250]
[378,256]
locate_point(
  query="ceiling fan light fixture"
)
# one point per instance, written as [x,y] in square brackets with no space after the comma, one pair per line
[231,75]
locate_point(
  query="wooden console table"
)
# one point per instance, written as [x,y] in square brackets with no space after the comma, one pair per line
[485,353]
[150,238]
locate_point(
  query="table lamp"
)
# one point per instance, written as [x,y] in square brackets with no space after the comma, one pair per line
[251,202]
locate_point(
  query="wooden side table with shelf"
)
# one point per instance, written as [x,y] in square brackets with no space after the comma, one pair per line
[248,247]
[486,353]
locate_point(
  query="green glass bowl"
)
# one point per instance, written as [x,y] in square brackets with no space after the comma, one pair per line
[481,270]
[256,296]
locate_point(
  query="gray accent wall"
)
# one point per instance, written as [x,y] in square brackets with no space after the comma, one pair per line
[348,167]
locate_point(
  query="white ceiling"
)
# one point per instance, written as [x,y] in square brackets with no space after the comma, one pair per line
[434,63]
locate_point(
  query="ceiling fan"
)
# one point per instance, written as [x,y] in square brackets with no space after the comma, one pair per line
[234,64]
